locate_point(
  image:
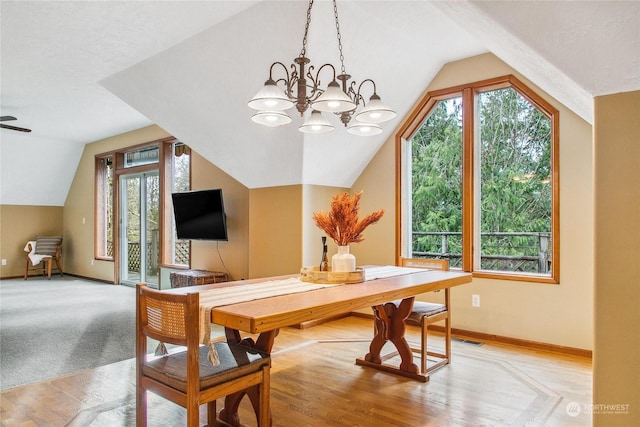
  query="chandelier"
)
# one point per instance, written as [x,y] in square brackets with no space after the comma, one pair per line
[301,87]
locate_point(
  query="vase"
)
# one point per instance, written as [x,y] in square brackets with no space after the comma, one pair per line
[343,261]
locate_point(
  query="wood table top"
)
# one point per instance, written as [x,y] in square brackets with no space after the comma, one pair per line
[272,313]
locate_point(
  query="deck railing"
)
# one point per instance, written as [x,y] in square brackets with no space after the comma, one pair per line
[181,257]
[514,252]
[181,254]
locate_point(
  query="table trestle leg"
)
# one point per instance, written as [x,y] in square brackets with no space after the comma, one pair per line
[389,325]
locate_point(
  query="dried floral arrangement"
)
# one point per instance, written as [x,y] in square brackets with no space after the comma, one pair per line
[341,223]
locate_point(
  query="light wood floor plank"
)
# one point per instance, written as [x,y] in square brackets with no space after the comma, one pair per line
[315,382]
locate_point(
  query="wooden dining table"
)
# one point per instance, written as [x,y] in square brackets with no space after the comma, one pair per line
[264,315]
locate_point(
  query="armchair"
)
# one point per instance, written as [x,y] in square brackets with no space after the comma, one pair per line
[41,253]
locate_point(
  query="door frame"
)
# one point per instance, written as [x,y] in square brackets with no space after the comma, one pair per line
[117,210]
[142,177]
[163,167]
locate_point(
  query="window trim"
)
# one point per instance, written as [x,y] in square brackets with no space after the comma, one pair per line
[468,92]
[164,167]
[99,213]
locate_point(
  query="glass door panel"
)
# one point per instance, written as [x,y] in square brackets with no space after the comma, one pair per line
[139,231]
[152,228]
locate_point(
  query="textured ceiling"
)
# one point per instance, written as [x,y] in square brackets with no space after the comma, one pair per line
[76,72]
[205,104]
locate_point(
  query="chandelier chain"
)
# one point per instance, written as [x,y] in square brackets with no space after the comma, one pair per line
[302,89]
[303,52]
[335,12]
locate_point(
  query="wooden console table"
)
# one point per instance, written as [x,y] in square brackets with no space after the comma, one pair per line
[180,279]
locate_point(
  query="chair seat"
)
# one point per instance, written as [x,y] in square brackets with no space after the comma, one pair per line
[421,309]
[235,361]
[424,309]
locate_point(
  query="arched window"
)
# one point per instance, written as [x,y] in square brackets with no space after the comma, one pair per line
[478,181]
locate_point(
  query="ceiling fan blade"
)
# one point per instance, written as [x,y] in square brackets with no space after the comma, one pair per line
[14,128]
[7,118]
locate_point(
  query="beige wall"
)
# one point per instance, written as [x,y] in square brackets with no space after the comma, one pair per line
[79,206]
[231,256]
[616,361]
[557,314]
[275,231]
[378,184]
[270,229]
[283,236]
[278,227]
[316,198]
[19,224]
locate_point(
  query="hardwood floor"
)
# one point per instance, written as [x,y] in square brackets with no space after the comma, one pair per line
[315,382]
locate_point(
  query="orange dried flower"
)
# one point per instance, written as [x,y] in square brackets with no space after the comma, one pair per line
[341,223]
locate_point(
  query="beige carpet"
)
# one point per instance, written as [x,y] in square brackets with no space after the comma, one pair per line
[54,327]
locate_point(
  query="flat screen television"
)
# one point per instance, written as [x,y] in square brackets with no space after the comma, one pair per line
[200,215]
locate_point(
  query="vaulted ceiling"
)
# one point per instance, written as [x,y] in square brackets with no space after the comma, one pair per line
[76,72]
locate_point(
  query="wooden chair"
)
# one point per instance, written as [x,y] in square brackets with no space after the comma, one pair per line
[424,314]
[186,377]
[42,253]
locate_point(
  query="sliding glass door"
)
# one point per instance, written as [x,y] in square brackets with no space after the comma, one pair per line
[140,228]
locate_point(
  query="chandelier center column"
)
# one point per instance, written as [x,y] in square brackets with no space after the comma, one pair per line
[301,103]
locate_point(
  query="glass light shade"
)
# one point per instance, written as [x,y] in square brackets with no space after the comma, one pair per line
[375,111]
[271,118]
[364,129]
[316,124]
[333,100]
[270,98]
